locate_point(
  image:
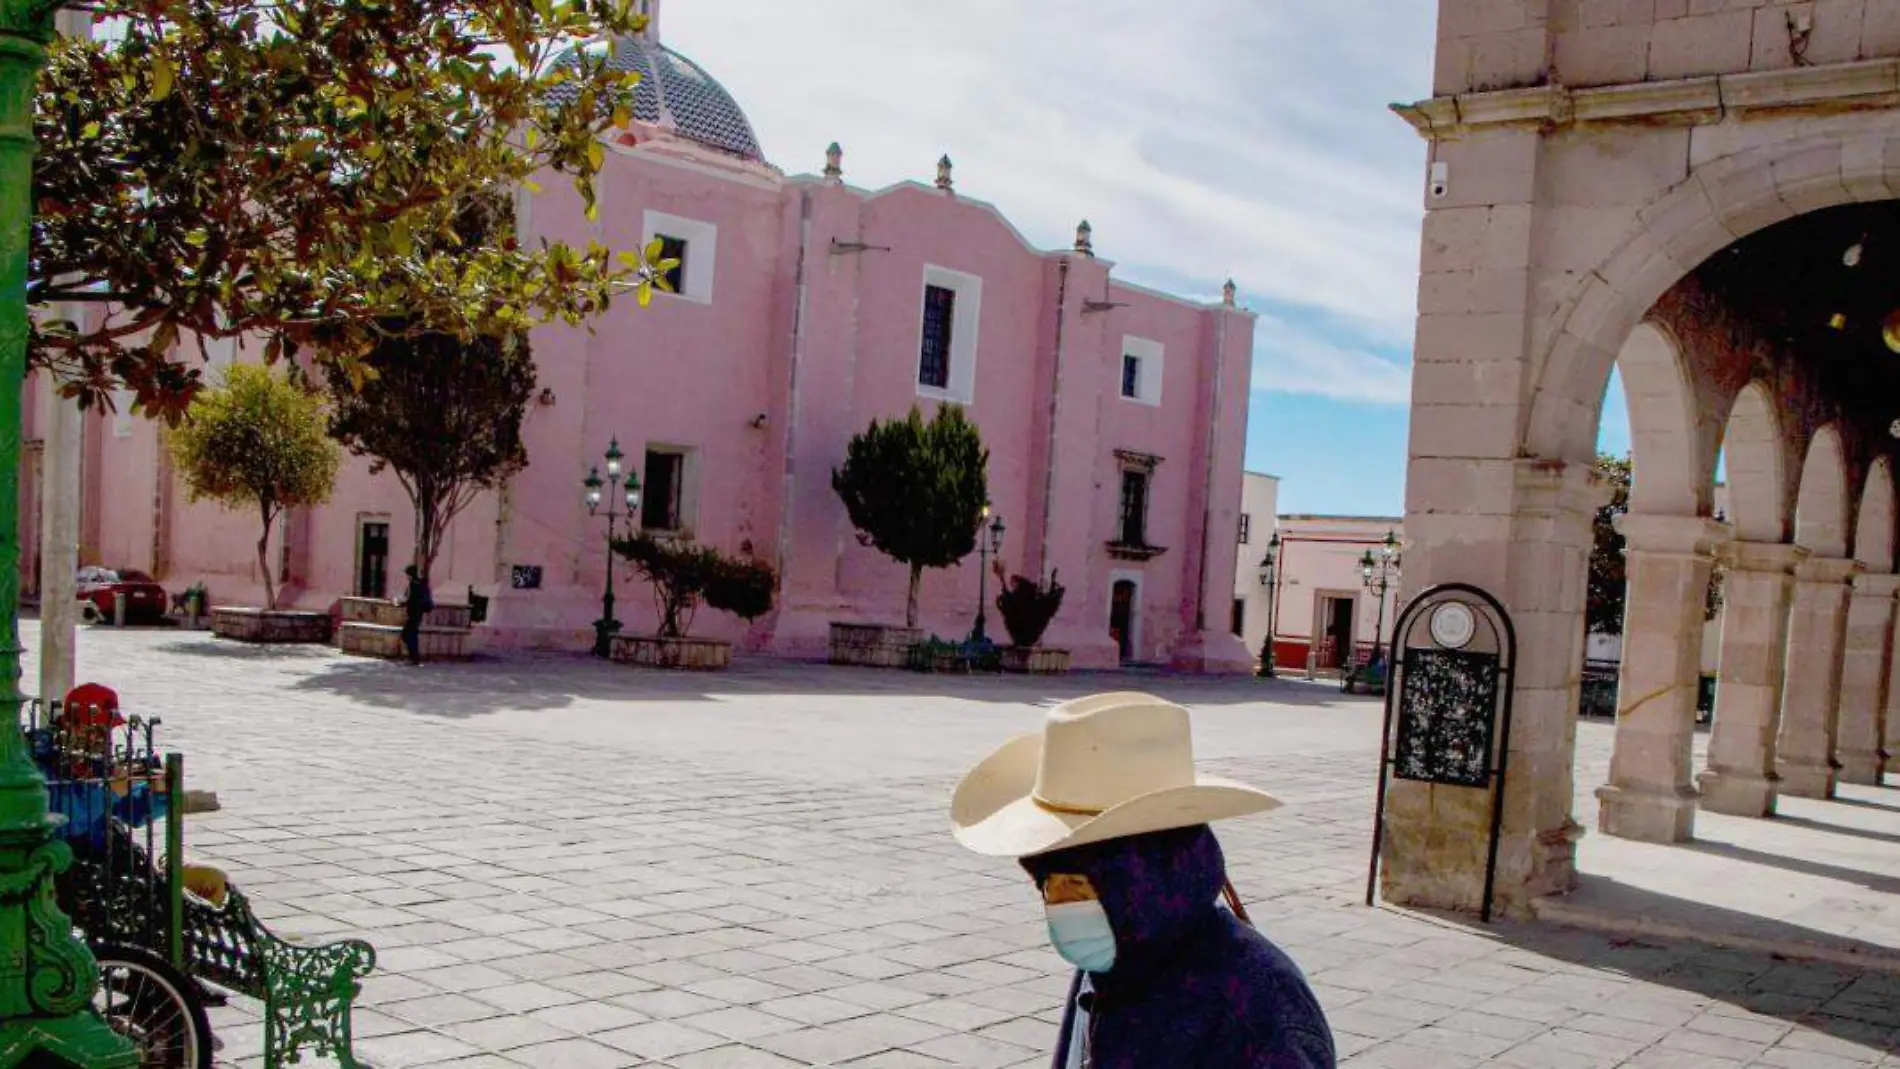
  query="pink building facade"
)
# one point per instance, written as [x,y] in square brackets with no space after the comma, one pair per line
[1115,416]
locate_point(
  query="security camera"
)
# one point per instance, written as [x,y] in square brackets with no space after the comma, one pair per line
[1441,180]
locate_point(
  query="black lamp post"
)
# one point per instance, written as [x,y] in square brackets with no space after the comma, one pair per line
[606,626]
[1380,571]
[984,550]
[1267,565]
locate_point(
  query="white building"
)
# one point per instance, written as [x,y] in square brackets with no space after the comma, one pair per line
[1259,518]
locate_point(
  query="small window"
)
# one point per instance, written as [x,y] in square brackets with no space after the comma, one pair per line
[1246,528]
[672,248]
[1240,616]
[1142,365]
[1134,508]
[940,309]
[664,490]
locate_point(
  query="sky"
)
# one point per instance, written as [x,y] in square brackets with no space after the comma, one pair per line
[1203,139]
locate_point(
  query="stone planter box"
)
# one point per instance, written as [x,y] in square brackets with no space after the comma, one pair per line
[1035,660]
[270,625]
[390,614]
[873,645]
[384,640]
[692,654]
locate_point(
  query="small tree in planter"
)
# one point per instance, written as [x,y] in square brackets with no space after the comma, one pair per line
[916,490]
[257,441]
[1027,608]
[682,575]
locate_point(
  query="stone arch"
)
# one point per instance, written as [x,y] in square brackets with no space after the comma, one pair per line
[1822,509]
[1874,521]
[1663,442]
[1719,203]
[1756,452]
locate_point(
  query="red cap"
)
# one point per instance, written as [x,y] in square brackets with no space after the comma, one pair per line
[92,705]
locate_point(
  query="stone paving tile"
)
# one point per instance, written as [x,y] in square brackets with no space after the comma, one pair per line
[568,864]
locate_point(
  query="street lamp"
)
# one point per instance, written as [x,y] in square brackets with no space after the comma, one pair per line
[1267,564]
[984,550]
[1380,571]
[596,489]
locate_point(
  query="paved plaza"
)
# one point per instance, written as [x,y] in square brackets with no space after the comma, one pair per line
[569,865]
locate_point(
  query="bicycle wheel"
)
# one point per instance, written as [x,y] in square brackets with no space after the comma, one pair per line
[155,1006]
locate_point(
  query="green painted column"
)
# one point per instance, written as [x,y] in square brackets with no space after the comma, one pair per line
[47,977]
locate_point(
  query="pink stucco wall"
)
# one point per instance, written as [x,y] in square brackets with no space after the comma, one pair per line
[819,342]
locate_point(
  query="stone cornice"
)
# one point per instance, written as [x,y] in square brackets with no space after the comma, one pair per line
[1686,102]
[1768,557]
[1671,536]
[1825,571]
[1878,586]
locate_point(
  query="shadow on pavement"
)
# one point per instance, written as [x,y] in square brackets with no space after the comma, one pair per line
[1841,986]
[526,682]
[1869,880]
[1837,829]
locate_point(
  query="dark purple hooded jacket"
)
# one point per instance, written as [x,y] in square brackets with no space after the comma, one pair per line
[1193,987]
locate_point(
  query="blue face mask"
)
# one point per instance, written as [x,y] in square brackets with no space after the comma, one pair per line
[1081,934]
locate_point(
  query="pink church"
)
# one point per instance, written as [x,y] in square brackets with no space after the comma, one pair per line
[1115,416]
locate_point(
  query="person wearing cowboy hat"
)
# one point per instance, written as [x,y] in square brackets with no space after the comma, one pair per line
[1106,812]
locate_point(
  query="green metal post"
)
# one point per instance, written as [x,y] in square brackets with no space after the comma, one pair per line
[175,859]
[47,976]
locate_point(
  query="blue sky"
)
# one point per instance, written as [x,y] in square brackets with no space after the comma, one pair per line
[1203,139]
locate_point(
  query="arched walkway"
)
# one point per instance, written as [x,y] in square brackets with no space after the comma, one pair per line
[1867,657]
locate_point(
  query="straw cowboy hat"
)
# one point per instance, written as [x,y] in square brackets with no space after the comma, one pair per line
[1105,767]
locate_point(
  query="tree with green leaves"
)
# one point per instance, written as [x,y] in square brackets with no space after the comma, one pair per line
[258,440]
[445,416]
[1609,577]
[683,574]
[916,490]
[1609,573]
[293,171]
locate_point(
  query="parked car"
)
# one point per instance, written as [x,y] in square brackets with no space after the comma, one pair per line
[99,588]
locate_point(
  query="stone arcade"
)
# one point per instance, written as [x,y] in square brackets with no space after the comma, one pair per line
[1705,201]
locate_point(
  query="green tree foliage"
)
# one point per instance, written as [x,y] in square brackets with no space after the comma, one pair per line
[683,574]
[1609,573]
[916,490]
[1603,614]
[292,170]
[1028,607]
[445,416]
[257,441]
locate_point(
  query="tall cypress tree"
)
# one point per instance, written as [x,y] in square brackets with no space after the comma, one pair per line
[916,490]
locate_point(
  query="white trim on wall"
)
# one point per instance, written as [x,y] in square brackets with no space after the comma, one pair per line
[702,250]
[964,326]
[1148,377]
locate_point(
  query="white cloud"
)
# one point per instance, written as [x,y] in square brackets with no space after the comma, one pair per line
[1202,138]
[1293,359]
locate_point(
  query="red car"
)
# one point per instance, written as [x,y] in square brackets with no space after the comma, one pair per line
[99,589]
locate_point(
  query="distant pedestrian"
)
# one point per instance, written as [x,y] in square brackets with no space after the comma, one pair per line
[1106,813]
[416,602]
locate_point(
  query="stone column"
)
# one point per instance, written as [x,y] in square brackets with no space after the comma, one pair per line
[1810,701]
[59,542]
[1650,796]
[1864,670]
[1741,778]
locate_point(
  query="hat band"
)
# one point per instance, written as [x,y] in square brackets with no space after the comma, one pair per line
[1058,807]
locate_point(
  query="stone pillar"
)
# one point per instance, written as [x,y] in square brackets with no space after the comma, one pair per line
[59,542]
[1741,778]
[1650,796]
[1865,666]
[1817,635]
[1535,552]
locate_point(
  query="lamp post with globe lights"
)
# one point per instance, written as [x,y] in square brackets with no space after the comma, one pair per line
[1267,565]
[984,551]
[597,490]
[1380,571]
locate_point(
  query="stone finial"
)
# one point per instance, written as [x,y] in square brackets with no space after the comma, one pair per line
[943,174]
[1229,294]
[834,162]
[1085,239]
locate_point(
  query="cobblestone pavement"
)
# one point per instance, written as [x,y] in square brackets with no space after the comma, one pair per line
[565,865]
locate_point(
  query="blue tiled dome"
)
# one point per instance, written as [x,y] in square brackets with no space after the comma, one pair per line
[674,87]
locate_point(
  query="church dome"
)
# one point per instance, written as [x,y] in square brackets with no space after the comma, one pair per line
[676,93]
